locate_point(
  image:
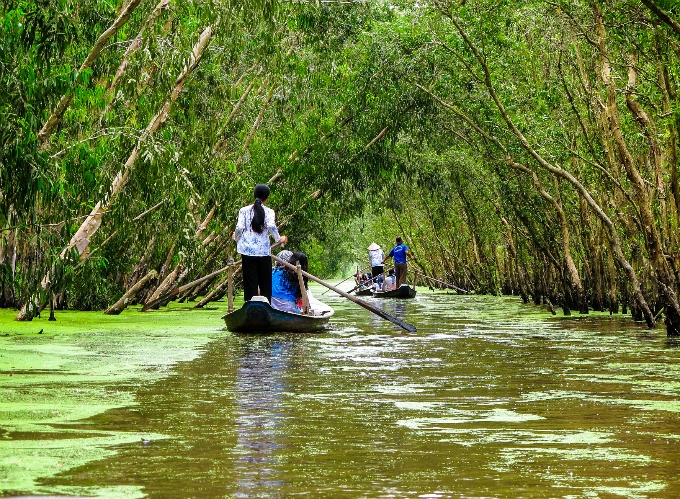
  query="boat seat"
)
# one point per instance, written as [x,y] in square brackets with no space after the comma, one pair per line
[260,298]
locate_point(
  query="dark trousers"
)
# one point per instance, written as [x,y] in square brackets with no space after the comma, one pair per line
[257,273]
[377,270]
[401,270]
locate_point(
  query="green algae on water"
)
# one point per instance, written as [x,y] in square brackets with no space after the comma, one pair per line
[59,374]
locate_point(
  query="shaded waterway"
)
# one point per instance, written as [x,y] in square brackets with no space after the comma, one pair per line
[488,399]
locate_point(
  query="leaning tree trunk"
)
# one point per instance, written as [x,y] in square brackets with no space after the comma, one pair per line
[120,305]
[166,285]
[575,284]
[212,295]
[664,277]
[81,240]
[51,124]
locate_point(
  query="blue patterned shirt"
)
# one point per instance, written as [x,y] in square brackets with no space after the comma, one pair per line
[249,242]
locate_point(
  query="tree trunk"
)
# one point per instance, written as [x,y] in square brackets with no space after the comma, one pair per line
[256,125]
[209,297]
[665,279]
[615,240]
[81,239]
[66,100]
[165,286]
[120,305]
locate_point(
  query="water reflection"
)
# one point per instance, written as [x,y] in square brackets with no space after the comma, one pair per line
[258,414]
[490,398]
[396,307]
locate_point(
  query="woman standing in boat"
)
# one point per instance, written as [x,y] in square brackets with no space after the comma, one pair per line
[254,225]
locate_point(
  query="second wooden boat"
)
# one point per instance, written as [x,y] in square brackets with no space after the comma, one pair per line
[403,291]
[259,317]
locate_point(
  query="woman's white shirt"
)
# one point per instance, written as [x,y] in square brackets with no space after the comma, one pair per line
[249,242]
[376,257]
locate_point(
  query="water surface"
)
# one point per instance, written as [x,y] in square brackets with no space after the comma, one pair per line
[490,398]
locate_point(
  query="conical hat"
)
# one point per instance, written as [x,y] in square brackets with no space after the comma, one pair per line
[373,246]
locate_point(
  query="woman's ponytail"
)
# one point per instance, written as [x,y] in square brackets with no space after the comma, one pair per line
[261,194]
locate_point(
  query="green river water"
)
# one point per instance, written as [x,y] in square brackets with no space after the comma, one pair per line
[490,398]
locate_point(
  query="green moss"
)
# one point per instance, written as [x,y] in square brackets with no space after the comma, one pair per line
[53,374]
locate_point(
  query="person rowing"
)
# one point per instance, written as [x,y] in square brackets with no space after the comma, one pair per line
[400,254]
[376,258]
[255,224]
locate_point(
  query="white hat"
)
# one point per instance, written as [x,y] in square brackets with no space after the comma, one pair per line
[283,255]
[373,246]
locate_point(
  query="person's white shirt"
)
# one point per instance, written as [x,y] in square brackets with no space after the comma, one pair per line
[249,242]
[376,257]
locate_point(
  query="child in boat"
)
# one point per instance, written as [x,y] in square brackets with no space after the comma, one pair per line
[390,282]
[254,225]
[285,284]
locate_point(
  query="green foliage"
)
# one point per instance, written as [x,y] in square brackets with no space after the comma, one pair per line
[335,112]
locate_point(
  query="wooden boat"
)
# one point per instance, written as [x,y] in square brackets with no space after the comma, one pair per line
[259,317]
[403,291]
[364,292]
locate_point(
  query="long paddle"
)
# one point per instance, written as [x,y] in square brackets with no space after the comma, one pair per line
[371,308]
[338,284]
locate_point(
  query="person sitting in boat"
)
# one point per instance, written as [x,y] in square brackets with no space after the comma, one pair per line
[285,284]
[283,255]
[390,282]
[361,280]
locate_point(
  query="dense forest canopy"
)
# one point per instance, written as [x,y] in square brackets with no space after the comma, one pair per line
[525,147]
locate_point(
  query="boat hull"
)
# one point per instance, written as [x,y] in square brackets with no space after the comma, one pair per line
[404,291]
[260,317]
[364,292]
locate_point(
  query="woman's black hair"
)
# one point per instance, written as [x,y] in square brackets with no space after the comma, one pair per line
[261,194]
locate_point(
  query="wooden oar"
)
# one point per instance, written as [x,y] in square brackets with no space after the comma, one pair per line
[371,308]
[338,284]
[441,282]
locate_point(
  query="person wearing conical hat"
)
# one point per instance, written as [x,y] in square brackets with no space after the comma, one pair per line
[375,258]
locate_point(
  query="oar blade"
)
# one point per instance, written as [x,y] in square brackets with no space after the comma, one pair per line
[403,324]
